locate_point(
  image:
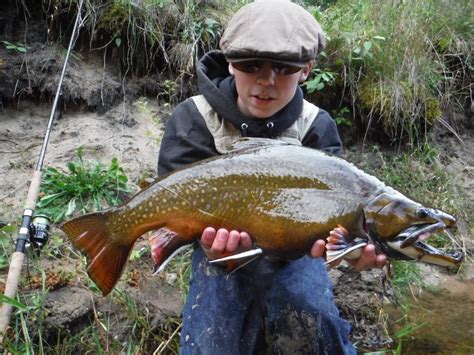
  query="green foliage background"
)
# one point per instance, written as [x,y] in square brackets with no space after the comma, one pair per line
[393,66]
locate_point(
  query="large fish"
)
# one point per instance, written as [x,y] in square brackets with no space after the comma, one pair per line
[284,196]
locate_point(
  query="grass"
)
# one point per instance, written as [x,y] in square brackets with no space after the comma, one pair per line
[92,185]
[85,187]
[399,63]
[178,272]
[421,174]
[150,34]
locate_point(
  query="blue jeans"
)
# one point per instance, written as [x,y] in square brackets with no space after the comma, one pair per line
[266,307]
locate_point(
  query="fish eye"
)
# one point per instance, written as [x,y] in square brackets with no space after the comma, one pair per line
[422,213]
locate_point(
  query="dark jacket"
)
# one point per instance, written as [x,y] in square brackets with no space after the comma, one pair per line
[187,140]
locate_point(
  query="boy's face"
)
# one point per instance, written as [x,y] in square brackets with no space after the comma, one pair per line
[265,91]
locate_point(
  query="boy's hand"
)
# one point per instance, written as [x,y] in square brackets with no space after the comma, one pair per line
[221,243]
[368,259]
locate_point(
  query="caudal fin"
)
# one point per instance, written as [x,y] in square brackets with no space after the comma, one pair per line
[106,258]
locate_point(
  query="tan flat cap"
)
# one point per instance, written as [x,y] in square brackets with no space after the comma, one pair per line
[272,29]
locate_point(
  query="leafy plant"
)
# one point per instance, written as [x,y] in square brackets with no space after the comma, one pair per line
[18,47]
[320,79]
[83,188]
[340,117]
[169,92]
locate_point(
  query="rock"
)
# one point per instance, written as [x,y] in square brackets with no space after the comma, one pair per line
[68,309]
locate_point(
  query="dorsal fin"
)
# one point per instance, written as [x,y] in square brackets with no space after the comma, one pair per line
[250,142]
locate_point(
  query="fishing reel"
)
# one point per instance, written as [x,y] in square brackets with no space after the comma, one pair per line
[39,231]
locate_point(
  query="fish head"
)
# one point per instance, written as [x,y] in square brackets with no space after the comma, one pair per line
[400,227]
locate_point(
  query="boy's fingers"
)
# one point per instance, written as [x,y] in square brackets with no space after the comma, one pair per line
[369,259]
[318,249]
[381,261]
[245,240]
[220,242]
[207,237]
[233,241]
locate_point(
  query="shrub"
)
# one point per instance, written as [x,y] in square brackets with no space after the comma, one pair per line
[84,188]
[400,62]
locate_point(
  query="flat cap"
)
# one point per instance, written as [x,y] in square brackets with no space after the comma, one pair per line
[272,29]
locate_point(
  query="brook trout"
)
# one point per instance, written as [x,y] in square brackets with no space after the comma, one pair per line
[284,196]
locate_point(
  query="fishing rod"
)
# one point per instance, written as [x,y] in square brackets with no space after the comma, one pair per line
[34,230]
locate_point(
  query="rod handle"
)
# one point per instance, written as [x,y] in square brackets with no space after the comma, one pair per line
[33,191]
[11,287]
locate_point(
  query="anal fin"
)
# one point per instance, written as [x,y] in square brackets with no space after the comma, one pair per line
[240,256]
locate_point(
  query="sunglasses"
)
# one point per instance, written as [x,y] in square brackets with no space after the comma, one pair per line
[256,66]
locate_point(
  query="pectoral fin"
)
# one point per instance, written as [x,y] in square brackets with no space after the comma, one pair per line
[339,246]
[349,252]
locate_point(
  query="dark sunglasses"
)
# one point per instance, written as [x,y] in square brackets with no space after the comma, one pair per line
[255,66]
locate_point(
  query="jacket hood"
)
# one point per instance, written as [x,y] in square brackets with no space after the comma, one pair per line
[218,87]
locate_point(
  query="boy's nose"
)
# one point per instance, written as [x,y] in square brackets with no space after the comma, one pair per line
[267,75]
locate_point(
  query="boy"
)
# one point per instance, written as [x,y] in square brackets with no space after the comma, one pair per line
[250,88]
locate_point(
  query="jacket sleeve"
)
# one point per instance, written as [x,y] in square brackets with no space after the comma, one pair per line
[186,139]
[323,135]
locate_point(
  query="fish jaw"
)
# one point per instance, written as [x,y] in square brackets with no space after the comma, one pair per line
[399,227]
[424,252]
[411,243]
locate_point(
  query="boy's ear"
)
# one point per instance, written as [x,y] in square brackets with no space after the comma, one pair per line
[306,71]
[231,69]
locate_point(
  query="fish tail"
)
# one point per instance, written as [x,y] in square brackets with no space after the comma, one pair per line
[106,258]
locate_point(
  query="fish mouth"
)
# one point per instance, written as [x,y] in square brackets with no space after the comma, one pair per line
[411,243]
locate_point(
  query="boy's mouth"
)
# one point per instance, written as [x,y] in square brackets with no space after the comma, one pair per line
[263,98]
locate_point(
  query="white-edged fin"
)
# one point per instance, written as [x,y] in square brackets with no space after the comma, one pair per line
[164,263]
[251,142]
[352,252]
[240,256]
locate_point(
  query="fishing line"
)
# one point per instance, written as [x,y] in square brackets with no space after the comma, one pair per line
[29,233]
